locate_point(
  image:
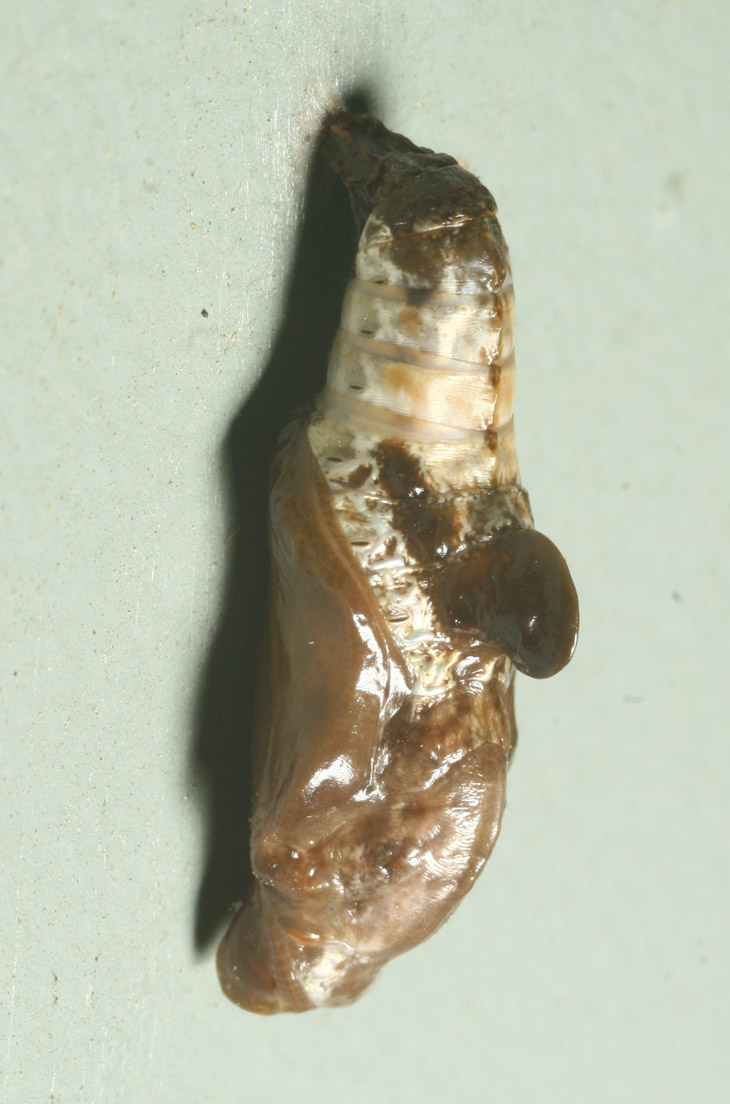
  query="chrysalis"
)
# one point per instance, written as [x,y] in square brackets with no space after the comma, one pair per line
[407,585]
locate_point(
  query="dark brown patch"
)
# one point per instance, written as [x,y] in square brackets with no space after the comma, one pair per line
[492,439]
[390,856]
[427,522]
[370,159]
[430,529]
[417,296]
[444,195]
[474,252]
[400,471]
[418,738]
[357,477]
[516,590]
[495,374]
[390,546]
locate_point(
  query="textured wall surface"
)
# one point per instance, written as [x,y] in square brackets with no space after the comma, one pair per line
[153,182]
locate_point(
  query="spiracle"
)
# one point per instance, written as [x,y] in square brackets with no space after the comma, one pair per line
[408,583]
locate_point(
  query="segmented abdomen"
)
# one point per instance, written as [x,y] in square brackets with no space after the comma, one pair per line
[415,432]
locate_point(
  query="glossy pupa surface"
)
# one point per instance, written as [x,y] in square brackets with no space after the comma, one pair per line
[407,585]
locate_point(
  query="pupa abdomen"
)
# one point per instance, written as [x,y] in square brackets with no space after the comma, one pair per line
[407,584]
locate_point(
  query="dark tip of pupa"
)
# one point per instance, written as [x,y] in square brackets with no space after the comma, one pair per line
[385,171]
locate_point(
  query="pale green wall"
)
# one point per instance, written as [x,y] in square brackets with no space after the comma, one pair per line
[153,161]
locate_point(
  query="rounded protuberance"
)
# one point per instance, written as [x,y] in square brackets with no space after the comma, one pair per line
[515,589]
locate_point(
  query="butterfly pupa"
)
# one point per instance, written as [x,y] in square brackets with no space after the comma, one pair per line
[408,584]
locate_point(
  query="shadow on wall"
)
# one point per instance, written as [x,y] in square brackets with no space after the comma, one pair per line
[221,751]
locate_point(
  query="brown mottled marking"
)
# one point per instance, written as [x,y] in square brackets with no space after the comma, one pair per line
[410,321]
[400,471]
[428,523]
[420,736]
[401,377]
[423,257]
[359,476]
